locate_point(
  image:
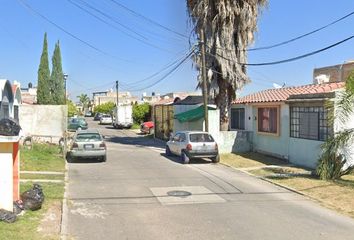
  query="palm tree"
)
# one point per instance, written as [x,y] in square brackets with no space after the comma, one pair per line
[333,162]
[229,27]
[84,100]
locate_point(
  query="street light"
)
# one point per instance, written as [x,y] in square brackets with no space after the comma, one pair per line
[65,77]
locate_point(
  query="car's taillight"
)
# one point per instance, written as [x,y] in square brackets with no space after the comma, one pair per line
[216,146]
[189,147]
[103,145]
[75,145]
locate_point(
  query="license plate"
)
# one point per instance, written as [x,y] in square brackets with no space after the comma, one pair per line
[88,146]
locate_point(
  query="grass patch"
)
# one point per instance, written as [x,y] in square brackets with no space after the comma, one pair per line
[26,226]
[250,159]
[135,126]
[42,157]
[41,176]
[336,195]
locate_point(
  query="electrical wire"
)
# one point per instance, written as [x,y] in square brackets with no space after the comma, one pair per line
[147,19]
[165,75]
[295,38]
[158,72]
[143,40]
[27,6]
[303,35]
[289,59]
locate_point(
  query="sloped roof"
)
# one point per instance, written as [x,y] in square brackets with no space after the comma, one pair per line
[282,94]
[192,100]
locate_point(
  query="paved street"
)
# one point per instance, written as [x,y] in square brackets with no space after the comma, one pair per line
[128,198]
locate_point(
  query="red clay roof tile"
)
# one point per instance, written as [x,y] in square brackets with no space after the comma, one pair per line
[282,94]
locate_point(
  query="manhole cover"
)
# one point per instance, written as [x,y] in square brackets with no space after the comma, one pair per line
[179,193]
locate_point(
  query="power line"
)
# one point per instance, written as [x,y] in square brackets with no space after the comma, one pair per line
[143,40]
[289,59]
[126,86]
[295,38]
[67,32]
[147,19]
[165,75]
[107,16]
[158,72]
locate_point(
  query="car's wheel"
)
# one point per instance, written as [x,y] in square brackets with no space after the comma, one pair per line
[216,159]
[104,158]
[184,158]
[168,151]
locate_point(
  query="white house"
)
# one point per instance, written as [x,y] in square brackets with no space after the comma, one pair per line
[290,123]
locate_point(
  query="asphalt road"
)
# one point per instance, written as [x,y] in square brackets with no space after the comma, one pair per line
[129,197]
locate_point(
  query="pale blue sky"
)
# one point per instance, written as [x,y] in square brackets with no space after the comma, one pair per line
[129,60]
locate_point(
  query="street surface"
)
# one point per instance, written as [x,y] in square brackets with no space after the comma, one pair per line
[127,198]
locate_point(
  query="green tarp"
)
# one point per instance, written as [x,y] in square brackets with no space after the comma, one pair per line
[192,115]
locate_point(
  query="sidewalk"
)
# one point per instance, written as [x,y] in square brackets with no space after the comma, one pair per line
[336,195]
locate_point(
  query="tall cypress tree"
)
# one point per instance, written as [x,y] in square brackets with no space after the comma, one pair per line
[43,88]
[57,78]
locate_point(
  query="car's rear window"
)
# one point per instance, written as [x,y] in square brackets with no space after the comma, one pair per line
[201,137]
[88,137]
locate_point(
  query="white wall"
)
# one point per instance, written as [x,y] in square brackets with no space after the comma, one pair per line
[49,121]
[339,126]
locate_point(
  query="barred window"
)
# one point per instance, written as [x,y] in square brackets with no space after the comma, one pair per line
[238,118]
[309,123]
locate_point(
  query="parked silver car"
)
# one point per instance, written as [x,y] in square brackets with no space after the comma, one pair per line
[193,144]
[88,144]
[106,119]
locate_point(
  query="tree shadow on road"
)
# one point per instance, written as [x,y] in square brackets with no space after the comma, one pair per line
[192,161]
[143,141]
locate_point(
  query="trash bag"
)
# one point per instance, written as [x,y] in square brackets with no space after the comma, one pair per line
[33,198]
[7,216]
[18,207]
[9,127]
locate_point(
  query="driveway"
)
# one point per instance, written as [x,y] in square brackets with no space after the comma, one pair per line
[141,194]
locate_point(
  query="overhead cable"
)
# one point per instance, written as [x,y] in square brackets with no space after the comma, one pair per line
[165,75]
[289,59]
[67,32]
[147,19]
[295,38]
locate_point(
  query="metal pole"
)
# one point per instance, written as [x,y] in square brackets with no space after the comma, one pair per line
[65,78]
[117,84]
[204,79]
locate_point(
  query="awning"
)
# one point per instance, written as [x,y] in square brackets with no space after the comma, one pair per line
[192,115]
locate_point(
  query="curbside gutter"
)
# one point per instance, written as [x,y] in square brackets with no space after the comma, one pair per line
[64,209]
[269,181]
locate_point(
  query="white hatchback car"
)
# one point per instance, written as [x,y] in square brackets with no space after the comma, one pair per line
[193,144]
[106,119]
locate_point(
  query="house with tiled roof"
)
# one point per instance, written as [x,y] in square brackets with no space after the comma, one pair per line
[290,122]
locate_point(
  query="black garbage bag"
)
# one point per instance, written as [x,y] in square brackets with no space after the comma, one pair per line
[9,127]
[33,198]
[7,216]
[18,207]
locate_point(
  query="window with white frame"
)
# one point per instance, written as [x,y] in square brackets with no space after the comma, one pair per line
[238,118]
[309,123]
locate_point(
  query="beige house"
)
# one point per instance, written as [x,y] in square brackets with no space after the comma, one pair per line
[124,98]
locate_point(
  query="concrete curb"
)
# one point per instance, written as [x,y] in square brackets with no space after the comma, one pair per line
[64,210]
[41,180]
[269,181]
[42,172]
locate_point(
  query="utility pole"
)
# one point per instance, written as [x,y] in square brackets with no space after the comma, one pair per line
[117,85]
[204,79]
